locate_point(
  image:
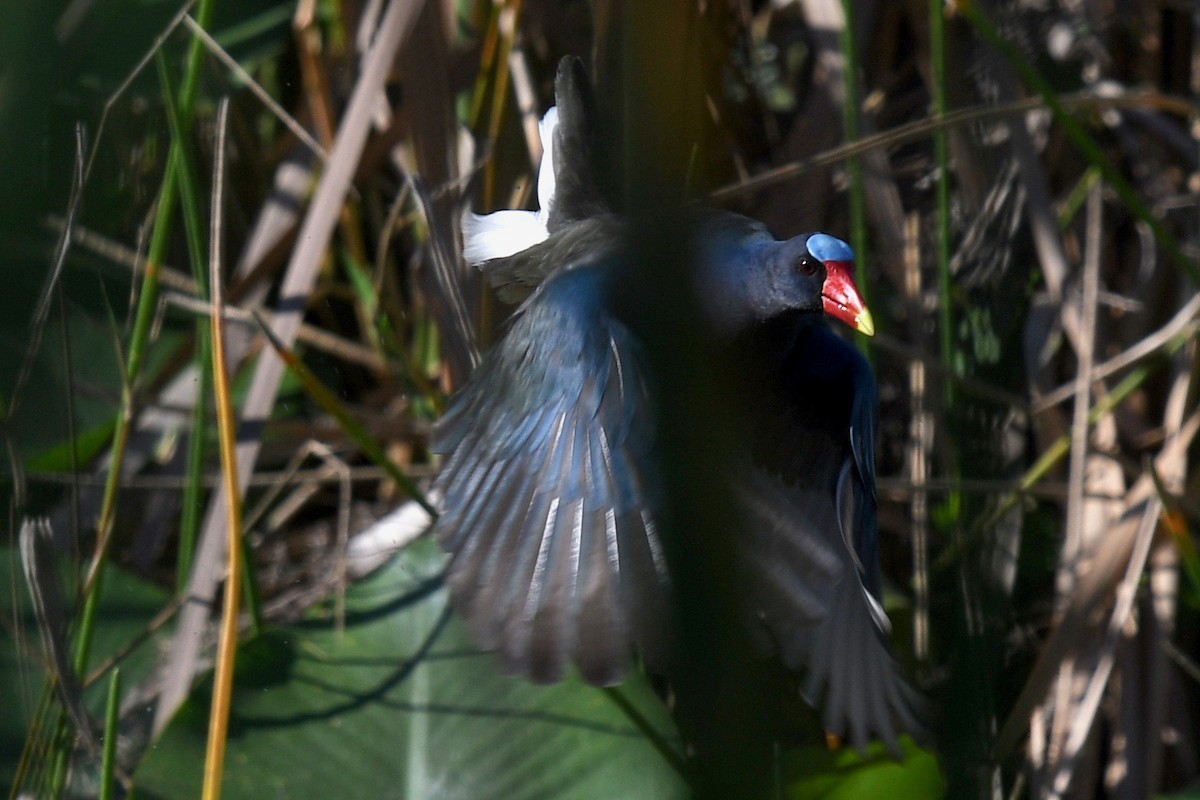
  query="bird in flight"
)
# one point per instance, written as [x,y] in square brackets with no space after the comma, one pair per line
[550,479]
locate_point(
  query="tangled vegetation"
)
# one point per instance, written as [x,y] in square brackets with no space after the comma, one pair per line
[1019,181]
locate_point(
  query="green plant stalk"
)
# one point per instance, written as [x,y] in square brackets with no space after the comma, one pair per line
[189,195]
[949,512]
[34,738]
[1078,195]
[328,401]
[499,101]
[139,341]
[424,339]
[251,594]
[189,191]
[108,764]
[487,60]
[1087,145]
[193,489]
[366,300]
[424,360]
[941,150]
[428,401]
[147,303]
[61,746]
[858,197]
[428,361]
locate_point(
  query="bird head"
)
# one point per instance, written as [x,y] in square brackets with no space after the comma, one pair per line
[840,297]
[749,276]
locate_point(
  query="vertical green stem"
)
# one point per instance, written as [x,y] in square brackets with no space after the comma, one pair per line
[966,639]
[138,344]
[941,149]
[147,303]
[193,224]
[951,509]
[108,764]
[251,596]
[850,111]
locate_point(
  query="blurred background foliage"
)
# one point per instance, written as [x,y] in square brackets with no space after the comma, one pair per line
[1019,180]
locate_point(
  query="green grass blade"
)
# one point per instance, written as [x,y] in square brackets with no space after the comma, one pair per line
[138,344]
[193,223]
[108,765]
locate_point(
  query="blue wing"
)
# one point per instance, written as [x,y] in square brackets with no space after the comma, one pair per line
[547,487]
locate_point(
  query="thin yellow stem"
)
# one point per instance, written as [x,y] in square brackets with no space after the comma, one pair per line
[218,721]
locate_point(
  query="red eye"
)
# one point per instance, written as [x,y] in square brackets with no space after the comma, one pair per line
[808,265]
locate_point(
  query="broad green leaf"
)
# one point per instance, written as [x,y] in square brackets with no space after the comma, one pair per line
[821,774]
[400,705]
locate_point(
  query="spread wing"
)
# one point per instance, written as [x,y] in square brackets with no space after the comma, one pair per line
[547,493]
[813,452]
